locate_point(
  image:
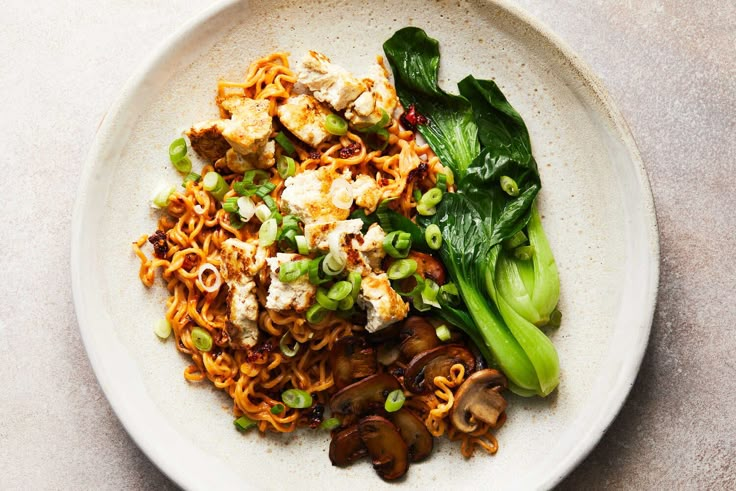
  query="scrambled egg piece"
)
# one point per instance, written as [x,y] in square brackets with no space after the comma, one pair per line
[297,295]
[239,263]
[366,110]
[382,304]
[307,195]
[328,82]
[367,192]
[304,116]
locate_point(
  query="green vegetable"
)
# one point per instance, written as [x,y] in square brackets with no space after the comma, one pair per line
[162,328]
[394,401]
[397,244]
[433,236]
[277,409]
[450,131]
[296,398]
[267,233]
[317,275]
[335,125]
[324,300]
[285,144]
[485,143]
[443,333]
[293,270]
[192,176]
[201,339]
[286,166]
[403,268]
[330,424]
[340,290]
[355,280]
[244,423]
[288,351]
[215,184]
[316,314]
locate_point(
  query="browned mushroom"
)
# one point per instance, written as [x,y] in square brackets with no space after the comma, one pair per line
[417,335]
[346,447]
[418,439]
[478,400]
[429,267]
[387,449]
[423,368]
[351,358]
[364,395]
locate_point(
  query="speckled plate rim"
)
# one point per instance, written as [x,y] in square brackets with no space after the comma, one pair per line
[141,432]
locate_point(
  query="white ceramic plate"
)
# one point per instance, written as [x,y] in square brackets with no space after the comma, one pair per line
[597,208]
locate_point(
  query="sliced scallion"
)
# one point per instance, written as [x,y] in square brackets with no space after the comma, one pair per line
[302,246]
[403,268]
[417,290]
[244,423]
[340,290]
[443,333]
[333,265]
[230,205]
[442,182]
[268,232]
[215,184]
[431,198]
[509,186]
[265,189]
[316,314]
[316,273]
[162,197]
[355,280]
[394,401]
[296,398]
[246,208]
[263,212]
[325,301]
[191,177]
[346,303]
[284,143]
[201,339]
[162,328]
[288,351]
[330,424]
[397,244]
[277,409]
[177,151]
[291,271]
[433,236]
[184,165]
[286,166]
[335,125]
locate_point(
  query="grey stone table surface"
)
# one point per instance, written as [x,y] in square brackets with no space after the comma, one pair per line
[670,66]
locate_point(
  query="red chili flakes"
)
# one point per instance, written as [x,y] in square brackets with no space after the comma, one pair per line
[190,261]
[350,151]
[418,173]
[411,119]
[160,245]
[315,155]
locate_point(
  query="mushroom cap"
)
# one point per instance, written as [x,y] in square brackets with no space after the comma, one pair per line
[364,395]
[346,447]
[419,440]
[417,335]
[351,358]
[387,449]
[478,400]
[424,367]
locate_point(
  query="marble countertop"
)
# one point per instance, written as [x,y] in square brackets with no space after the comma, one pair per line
[671,68]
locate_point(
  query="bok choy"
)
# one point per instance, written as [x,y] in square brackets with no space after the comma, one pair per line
[504,294]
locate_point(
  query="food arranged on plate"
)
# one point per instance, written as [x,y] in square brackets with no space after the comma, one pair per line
[360,257]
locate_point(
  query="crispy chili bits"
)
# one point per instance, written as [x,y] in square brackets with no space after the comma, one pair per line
[259,354]
[314,155]
[411,119]
[315,415]
[160,245]
[418,173]
[350,151]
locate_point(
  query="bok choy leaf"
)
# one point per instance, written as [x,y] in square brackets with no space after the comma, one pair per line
[485,142]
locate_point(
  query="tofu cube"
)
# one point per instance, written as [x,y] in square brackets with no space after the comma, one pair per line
[297,295]
[307,195]
[367,192]
[317,233]
[382,304]
[304,116]
[371,246]
[207,140]
[381,96]
[328,82]
[248,129]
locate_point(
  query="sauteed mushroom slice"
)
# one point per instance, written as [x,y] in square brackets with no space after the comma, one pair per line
[423,368]
[478,400]
[351,358]
[346,447]
[387,449]
[417,335]
[364,395]
[429,267]
[418,439]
